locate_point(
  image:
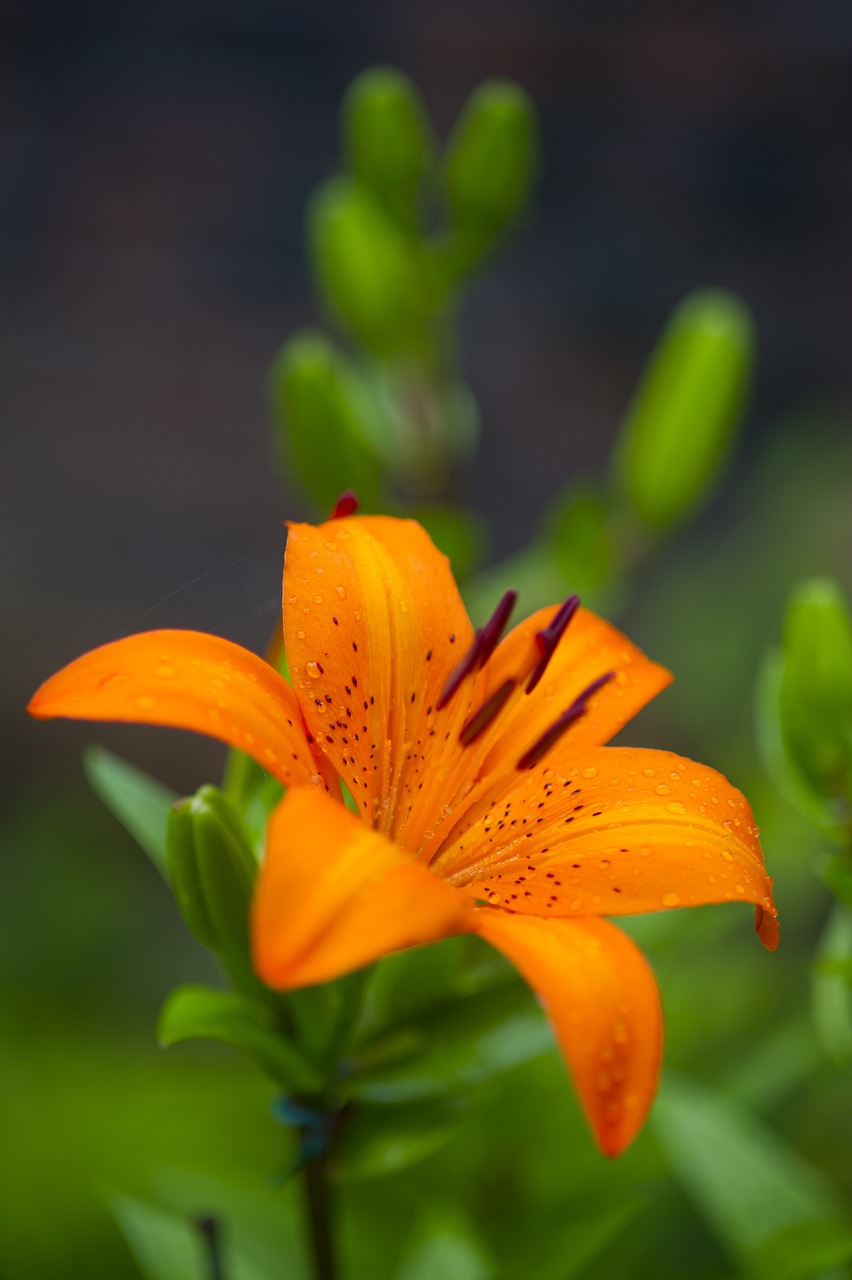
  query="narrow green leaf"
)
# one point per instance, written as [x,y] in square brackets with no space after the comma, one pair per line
[745,1181]
[458,1047]
[169,1247]
[561,1251]
[375,1141]
[140,803]
[804,1252]
[203,1013]
[445,1244]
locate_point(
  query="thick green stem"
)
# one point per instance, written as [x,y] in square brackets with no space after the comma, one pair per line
[319,1217]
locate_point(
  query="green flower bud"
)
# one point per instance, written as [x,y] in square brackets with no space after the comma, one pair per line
[366,268]
[212,870]
[386,137]
[491,161]
[815,697]
[313,396]
[688,406]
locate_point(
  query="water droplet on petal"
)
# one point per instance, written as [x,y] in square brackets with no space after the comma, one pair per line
[312,668]
[590,772]
[341,591]
[675,807]
[300,635]
[670,899]
[649,773]
[662,789]
[165,671]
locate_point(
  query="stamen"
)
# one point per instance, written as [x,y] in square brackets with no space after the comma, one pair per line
[485,641]
[578,708]
[346,504]
[547,639]
[482,718]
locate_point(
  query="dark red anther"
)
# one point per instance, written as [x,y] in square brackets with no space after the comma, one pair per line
[548,638]
[578,708]
[481,719]
[346,504]
[485,641]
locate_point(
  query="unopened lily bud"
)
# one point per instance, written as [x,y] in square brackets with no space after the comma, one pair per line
[815,700]
[491,160]
[687,409]
[313,399]
[386,138]
[212,870]
[364,263]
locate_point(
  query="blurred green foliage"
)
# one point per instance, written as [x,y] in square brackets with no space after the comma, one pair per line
[440,1065]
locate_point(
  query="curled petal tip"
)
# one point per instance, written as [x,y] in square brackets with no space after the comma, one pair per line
[766,923]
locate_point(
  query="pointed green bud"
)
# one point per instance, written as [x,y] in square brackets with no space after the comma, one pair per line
[212,870]
[387,140]
[365,266]
[491,162]
[314,400]
[685,414]
[815,698]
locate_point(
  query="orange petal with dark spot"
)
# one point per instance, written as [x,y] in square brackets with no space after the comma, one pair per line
[334,895]
[602,999]
[187,680]
[628,831]
[374,624]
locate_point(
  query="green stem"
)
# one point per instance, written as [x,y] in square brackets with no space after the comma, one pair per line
[209,1229]
[319,1217]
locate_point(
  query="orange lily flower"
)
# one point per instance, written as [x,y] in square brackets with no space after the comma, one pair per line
[486,800]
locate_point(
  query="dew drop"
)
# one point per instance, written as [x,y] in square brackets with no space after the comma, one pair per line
[317,599]
[729,857]
[662,789]
[145,702]
[165,671]
[620,1033]
[341,591]
[330,546]
[649,773]
[670,899]
[675,807]
[312,668]
[590,772]
[739,888]
[300,635]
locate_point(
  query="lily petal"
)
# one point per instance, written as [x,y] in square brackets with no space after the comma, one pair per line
[630,831]
[187,680]
[602,999]
[374,625]
[333,895]
[589,649]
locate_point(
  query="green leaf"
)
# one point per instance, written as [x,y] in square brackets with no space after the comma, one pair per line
[203,1013]
[459,1047]
[830,994]
[804,1252]
[169,1247]
[685,414]
[744,1180]
[375,1141]
[140,803]
[445,1244]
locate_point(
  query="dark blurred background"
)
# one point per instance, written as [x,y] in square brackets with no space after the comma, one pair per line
[155,162]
